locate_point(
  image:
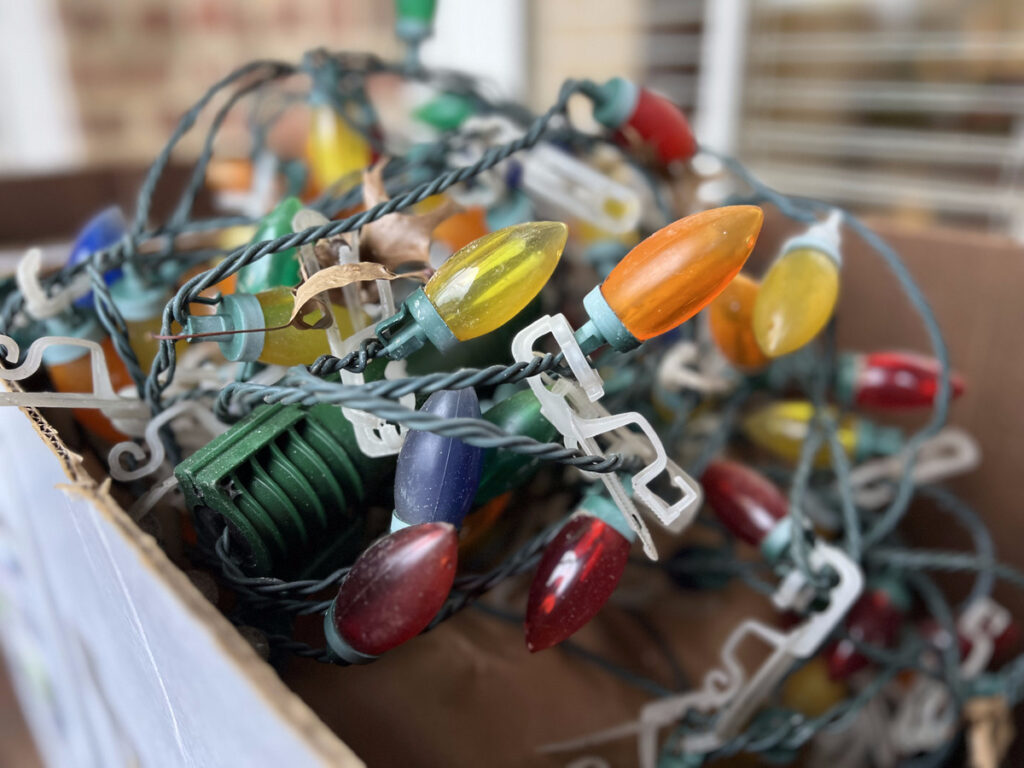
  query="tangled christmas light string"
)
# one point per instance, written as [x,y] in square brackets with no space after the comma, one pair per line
[869,538]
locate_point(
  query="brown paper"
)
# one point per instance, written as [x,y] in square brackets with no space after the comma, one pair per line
[990,731]
[337,276]
[398,238]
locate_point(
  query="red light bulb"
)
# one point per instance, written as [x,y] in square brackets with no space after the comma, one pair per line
[393,591]
[874,619]
[577,574]
[891,380]
[1003,644]
[636,113]
[746,502]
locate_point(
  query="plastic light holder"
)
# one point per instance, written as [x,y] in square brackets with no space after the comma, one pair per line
[288,483]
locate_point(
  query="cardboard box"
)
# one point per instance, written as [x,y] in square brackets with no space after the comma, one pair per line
[119,658]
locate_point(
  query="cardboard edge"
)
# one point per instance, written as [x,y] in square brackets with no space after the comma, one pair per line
[275,694]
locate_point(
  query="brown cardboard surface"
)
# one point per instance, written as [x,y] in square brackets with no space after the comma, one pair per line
[162,575]
[469,693]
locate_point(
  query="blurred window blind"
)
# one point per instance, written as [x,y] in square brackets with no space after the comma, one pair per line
[908,107]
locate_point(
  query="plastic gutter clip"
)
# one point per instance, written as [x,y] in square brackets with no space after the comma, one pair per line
[155,444]
[676,372]
[949,453]
[553,178]
[374,436]
[38,303]
[145,503]
[926,718]
[259,198]
[728,690]
[103,395]
[560,181]
[573,410]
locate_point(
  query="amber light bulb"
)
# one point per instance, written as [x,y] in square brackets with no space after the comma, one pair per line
[392,591]
[729,319]
[669,277]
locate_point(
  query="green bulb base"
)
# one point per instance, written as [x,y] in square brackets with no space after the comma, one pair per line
[337,645]
[876,440]
[775,544]
[416,323]
[603,327]
[614,102]
[238,311]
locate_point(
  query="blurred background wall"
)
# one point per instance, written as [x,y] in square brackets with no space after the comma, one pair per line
[914,108]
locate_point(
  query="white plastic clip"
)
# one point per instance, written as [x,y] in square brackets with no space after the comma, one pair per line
[38,303]
[573,410]
[925,717]
[678,370]
[552,178]
[950,452]
[258,199]
[102,396]
[727,689]
[155,444]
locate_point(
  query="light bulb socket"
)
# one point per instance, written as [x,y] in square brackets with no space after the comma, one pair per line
[615,102]
[414,324]
[603,327]
[77,326]
[875,440]
[397,523]
[237,311]
[775,544]
[823,237]
[895,590]
[604,509]
[135,298]
[514,208]
[847,371]
[337,645]
[413,30]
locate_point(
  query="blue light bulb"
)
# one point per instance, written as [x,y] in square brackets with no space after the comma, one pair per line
[101,231]
[436,477]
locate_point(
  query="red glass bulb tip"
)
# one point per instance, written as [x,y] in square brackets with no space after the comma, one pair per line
[746,502]
[396,587]
[577,574]
[900,380]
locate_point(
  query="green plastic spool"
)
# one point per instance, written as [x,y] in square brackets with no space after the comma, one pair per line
[288,483]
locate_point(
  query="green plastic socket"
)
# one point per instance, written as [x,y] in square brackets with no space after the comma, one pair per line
[289,483]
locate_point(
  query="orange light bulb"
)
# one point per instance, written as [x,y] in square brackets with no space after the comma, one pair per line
[677,271]
[729,318]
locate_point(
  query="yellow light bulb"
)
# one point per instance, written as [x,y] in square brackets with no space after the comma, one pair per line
[291,346]
[811,691]
[796,300]
[729,319]
[488,282]
[335,148]
[677,271]
[781,428]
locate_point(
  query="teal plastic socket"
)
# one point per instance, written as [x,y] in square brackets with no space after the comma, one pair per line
[290,484]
